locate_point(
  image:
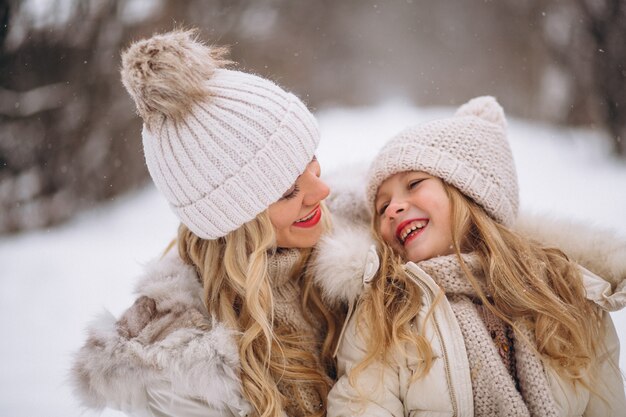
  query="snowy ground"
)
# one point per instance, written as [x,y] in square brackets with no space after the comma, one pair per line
[53,281]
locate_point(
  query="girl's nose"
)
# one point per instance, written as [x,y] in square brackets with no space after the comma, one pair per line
[395,207]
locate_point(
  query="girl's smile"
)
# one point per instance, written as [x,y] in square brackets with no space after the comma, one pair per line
[410,229]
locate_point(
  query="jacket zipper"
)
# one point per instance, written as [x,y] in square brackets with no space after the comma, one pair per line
[430,296]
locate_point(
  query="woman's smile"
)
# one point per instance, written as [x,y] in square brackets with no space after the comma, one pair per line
[310,219]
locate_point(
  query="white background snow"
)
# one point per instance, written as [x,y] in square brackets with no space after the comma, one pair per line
[53,282]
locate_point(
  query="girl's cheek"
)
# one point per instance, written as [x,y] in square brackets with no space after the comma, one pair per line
[387,237]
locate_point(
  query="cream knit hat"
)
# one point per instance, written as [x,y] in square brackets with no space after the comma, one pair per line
[220,145]
[469,151]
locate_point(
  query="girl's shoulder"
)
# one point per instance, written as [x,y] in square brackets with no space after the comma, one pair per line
[607,295]
[165,337]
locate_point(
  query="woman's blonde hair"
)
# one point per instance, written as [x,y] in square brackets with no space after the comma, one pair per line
[234,273]
[528,283]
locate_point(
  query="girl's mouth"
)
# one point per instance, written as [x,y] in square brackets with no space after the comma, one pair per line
[410,229]
[310,219]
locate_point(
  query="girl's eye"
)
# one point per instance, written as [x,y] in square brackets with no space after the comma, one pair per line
[291,193]
[415,183]
[382,209]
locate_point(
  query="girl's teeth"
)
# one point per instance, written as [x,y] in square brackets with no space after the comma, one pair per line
[412,228]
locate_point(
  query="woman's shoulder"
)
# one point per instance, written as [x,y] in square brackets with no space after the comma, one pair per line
[171,283]
[600,291]
[166,336]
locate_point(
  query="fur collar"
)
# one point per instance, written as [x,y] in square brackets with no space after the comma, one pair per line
[345,258]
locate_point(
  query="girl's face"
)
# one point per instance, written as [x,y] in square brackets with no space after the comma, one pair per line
[413,212]
[297,216]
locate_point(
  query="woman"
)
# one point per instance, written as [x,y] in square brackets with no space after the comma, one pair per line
[229,323]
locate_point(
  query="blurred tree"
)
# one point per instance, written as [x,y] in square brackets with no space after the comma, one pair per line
[65,118]
[587,38]
[605,25]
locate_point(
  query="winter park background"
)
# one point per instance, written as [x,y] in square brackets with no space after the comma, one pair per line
[53,281]
[79,218]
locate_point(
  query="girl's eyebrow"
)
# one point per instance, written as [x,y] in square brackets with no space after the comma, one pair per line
[379,198]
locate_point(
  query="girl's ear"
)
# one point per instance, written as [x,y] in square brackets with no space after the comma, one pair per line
[486,108]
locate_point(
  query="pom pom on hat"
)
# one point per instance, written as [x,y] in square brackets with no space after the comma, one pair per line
[486,108]
[166,74]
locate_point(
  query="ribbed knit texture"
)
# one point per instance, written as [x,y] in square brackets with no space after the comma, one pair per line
[220,145]
[494,388]
[469,151]
[501,335]
[233,155]
[289,316]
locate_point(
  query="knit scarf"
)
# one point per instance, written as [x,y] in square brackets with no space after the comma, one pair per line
[301,399]
[493,387]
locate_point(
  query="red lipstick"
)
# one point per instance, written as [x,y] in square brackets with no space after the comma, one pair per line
[312,218]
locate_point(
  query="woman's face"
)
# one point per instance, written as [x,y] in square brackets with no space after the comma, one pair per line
[413,212]
[297,216]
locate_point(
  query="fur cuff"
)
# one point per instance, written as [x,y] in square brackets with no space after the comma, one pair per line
[112,371]
[174,343]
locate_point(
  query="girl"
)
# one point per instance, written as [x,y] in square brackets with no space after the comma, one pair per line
[465,316]
[227,323]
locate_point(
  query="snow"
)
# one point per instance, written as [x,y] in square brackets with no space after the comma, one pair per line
[54,281]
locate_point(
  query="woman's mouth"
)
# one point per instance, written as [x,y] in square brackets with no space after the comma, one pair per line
[310,219]
[410,229]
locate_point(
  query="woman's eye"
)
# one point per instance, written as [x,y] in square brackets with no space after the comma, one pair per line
[291,193]
[382,209]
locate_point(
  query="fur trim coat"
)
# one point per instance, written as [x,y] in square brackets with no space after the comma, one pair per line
[166,342]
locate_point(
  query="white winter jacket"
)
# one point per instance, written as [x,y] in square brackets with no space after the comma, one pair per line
[447,389]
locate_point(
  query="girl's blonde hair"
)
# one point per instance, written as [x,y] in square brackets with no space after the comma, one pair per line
[234,273]
[528,283]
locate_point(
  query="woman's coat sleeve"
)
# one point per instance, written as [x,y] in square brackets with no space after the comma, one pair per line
[163,402]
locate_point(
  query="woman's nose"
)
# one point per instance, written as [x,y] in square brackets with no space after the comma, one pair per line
[316,190]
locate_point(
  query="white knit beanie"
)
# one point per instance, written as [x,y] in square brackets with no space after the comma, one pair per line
[469,151]
[220,145]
